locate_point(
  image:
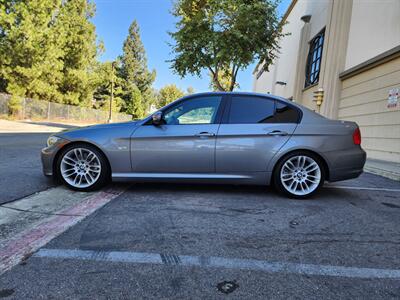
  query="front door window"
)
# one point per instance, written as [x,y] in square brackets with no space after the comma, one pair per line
[202,110]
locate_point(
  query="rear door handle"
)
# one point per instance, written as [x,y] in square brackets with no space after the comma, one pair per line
[277,132]
[205,134]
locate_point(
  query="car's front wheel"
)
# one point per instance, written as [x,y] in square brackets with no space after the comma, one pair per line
[82,167]
[299,175]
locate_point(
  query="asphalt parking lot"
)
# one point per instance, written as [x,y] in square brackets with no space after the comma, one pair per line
[164,241]
[169,241]
[20,166]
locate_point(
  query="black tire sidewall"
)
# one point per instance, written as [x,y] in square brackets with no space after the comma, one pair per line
[105,169]
[277,179]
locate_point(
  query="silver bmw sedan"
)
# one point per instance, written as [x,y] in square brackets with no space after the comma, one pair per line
[235,138]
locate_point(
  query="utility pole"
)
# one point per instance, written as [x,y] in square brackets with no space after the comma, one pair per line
[112,91]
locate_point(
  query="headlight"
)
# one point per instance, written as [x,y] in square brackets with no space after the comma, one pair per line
[52,140]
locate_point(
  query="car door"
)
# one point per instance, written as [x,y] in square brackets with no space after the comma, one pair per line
[253,129]
[184,143]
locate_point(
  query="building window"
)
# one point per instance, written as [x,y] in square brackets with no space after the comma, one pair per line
[314,59]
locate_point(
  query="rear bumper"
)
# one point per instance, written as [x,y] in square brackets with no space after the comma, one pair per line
[347,164]
[344,174]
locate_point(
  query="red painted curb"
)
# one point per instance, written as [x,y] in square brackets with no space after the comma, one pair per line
[27,242]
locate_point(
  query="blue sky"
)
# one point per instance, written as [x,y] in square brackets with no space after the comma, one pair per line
[112,21]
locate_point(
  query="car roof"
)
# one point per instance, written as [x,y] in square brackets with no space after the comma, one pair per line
[236,93]
[244,94]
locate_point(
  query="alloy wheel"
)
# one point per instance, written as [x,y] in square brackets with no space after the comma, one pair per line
[300,175]
[80,167]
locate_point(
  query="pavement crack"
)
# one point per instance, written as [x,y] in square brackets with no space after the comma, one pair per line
[39,212]
[93,273]
[28,195]
[344,241]
[391,205]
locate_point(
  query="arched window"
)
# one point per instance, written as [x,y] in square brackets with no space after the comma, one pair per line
[314,59]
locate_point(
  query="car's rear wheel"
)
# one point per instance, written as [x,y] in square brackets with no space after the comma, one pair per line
[299,175]
[82,167]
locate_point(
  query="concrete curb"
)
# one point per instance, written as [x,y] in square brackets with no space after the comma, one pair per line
[26,243]
[382,172]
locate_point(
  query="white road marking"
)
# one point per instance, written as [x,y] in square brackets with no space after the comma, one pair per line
[361,188]
[220,262]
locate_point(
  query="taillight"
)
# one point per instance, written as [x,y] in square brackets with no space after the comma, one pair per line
[357,136]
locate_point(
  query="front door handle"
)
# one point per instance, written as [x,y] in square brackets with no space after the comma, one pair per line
[277,132]
[205,134]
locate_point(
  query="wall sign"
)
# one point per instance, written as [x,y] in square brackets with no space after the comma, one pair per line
[393,98]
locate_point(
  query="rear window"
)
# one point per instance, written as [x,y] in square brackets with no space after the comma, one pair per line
[254,110]
[285,113]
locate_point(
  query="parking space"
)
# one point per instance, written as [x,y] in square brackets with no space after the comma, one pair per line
[196,241]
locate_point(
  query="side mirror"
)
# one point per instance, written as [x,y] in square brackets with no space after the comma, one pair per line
[157,118]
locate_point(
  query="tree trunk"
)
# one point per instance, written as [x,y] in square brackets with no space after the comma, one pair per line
[216,80]
[233,78]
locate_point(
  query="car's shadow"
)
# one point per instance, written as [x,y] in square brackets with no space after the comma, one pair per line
[325,194]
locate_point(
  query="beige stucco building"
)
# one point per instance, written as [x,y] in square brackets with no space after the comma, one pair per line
[350,49]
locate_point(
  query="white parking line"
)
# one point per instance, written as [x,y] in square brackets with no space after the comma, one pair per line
[360,188]
[219,262]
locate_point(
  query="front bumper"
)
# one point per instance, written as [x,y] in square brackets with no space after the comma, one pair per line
[48,155]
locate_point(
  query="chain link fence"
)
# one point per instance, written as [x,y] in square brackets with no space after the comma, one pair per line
[43,110]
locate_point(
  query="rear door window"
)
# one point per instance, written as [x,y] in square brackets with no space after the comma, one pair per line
[255,110]
[251,110]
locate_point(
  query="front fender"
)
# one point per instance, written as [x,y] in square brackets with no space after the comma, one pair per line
[113,141]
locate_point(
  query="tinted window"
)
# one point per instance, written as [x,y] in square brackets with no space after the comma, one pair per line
[251,110]
[194,111]
[285,113]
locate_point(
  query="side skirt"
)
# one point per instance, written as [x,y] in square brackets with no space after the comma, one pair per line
[257,178]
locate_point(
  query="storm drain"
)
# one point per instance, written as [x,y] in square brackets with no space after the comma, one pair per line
[227,287]
[6,293]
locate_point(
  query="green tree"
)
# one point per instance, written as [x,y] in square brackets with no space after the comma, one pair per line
[150,97]
[80,51]
[225,35]
[136,107]
[224,79]
[14,105]
[135,72]
[168,94]
[102,82]
[47,50]
[30,49]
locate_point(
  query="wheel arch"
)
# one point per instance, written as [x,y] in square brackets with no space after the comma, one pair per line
[320,157]
[56,157]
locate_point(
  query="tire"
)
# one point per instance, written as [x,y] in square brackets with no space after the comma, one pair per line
[299,175]
[82,167]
